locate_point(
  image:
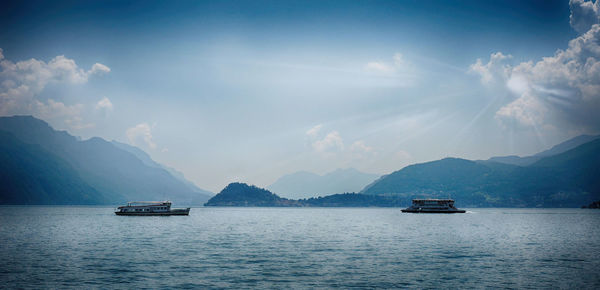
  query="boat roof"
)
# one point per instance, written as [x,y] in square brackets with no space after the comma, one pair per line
[432,199]
[148,202]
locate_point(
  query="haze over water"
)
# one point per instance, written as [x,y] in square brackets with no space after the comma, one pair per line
[299,247]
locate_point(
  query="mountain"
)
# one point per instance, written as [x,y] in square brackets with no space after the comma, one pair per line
[241,194]
[146,159]
[578,168]
[568,179]
[305,184]
[515,160]
[31,175]
[116,175]
[557,149]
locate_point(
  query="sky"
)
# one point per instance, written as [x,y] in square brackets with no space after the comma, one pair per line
[248,91]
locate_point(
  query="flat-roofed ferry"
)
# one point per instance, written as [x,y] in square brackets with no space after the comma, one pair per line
[433,206]
[150,208]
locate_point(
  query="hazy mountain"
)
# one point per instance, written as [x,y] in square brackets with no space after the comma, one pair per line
[515,160]
[568,179]
[32,175]
[304,184]
[146,159]
[117,175]
[557,149]
[241,194]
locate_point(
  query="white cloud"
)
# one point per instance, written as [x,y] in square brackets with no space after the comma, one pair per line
[332,142]
[360,146]
[104,105]
[314,131]
[584,14]
[379,67]
[560,91]
[526,110]
[399,60]
[52,110]
[141,134]
[398,64]
[99,68]
[21,83]
[495,70]
[360,150]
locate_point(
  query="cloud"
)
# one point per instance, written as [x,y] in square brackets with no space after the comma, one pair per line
[398,63]
[584,14]
[360,150]
[496,69]
[398,59]
[329,144]
[21,83]
[332,142]
[360,146]
[99,68]
[527,110]
[381,67]
[141,134]
[104,105]
[558,92]
[314,131]
[69,114]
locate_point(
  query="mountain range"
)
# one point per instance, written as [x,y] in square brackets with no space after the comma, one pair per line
[303,184]
[40,165]
[568,175]
[556,149]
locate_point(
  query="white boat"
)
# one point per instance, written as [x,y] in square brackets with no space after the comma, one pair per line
[150,208]
[433,206]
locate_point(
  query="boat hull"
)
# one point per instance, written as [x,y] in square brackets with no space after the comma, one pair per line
[171,212]
[433,211]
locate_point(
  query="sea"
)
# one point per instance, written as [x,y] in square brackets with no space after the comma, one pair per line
[227,247]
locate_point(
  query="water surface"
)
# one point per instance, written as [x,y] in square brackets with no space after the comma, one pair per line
[299,247]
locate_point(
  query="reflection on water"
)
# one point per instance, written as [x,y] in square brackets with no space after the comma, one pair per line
[299,247]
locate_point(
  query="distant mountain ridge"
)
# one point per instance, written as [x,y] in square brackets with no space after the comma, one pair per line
[31,175]
[556,149]
[146,159]
[111,175]
[567,179]
[303,184]
[39,165]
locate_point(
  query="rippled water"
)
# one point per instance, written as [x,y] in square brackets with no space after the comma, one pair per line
[299,247]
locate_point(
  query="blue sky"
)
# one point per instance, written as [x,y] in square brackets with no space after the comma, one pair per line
[251,90]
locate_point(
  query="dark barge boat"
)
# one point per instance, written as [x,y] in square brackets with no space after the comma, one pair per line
[150,208]
[433,206]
